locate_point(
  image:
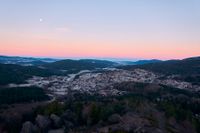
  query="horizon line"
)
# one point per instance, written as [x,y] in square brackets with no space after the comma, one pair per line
[98,58]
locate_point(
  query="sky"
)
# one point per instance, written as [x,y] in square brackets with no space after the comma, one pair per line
[128,29]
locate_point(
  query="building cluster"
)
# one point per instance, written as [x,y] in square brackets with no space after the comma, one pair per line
[101,82]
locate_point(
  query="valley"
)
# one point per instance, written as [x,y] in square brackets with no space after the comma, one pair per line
[52,98]
[101,83]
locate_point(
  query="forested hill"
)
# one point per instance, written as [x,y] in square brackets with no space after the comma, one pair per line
[187,66]
[10,73]
[77,65]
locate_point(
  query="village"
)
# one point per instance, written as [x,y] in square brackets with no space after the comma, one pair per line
[101,82]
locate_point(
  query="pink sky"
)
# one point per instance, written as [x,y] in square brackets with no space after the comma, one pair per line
[97,48]
[136,29]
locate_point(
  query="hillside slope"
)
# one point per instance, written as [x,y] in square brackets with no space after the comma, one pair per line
[10,73]
[78,65]
[186,69]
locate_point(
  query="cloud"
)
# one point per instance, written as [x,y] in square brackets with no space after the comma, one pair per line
[63,29]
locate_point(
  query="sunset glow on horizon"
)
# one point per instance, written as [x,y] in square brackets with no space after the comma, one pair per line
[132,29]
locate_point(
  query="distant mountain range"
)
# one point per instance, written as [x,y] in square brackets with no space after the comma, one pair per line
[17,69]
[25,61]
[140,62]
[31,61]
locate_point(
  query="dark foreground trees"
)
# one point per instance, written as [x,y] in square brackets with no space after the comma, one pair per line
[21,95]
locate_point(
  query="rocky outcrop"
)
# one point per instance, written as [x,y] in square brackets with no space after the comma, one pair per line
[113,119]
[28,127]
[43,123]
[56,121]
[56,131]
[69,116]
